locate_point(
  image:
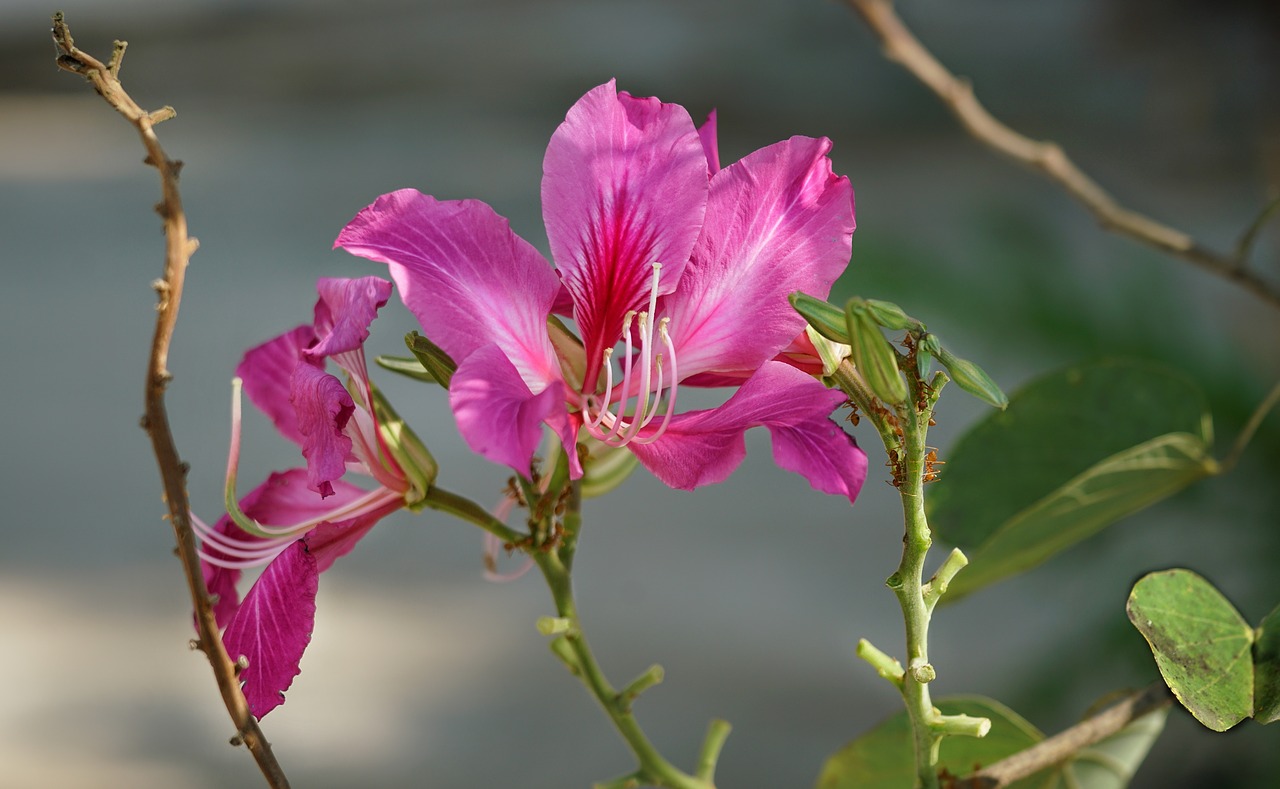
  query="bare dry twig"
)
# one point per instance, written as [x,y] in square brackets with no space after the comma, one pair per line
[902,47]
[1065,743]
[173,471]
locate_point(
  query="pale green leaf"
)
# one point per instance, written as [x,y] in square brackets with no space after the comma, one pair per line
[1201,644]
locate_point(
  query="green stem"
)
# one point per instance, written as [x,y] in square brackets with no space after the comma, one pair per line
[908,585]
[653,768]
[460,507]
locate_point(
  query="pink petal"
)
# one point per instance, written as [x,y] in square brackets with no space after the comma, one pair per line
[344,312]
[497,414]
[329,542]
[470,281]
[273,627]
[777,221]
[704,447]
[624,185]
[710,145]
[324,407]
[282,500]
[267,372]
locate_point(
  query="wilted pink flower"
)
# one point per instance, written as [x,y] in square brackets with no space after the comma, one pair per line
[302,519]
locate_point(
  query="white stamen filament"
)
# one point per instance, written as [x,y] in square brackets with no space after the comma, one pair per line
[612,427]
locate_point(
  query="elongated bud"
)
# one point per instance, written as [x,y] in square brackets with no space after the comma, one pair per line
[971,378]
[827,320]
[406,366]
[438,364]
[892,317]
[875,359]
[417,463]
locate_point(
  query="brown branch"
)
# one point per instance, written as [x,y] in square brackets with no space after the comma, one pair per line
[1048,158]
[1063,745]
[173,472]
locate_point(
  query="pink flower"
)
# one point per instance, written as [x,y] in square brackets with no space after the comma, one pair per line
[685,265]
[301,520]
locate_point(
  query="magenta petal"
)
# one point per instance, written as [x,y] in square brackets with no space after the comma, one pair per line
[624,185]
[324,407]
[273,627]
[469,280]
[710,145]
[497,414]
[282,500]
[267,372]
[777,221]
[329,542]
[704,447]
[344,312]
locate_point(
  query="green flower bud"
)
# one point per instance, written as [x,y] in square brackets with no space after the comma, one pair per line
[971,378]
[875,359]
[406,366]
[438,364]
[891,316]
[824,318]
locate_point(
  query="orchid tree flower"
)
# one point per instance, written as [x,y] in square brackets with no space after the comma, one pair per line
[299,521]
[675,271]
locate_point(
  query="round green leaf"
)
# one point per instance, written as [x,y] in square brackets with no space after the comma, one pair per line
[1075,451]
[1200,642]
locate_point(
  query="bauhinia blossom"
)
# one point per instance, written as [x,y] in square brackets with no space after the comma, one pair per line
[299,521]
[676,273]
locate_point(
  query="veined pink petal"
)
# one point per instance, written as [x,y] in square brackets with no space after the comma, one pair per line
[500,418]
[704,447]
[329,542]
[282,500]
[624,185]
[777,221]
[343,313]
[273,626]
[267,372]
[470,281]
[324,407]
[710,144]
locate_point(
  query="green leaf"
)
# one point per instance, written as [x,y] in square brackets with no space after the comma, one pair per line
[1266,669]
[1075,451]
[1200,642]
[882,758]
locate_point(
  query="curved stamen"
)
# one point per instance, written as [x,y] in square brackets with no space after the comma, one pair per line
[601,409]
[675,379]
[616,421]
[621,429]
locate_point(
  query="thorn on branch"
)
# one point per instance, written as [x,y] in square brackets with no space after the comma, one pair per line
[117,56]
[163,114]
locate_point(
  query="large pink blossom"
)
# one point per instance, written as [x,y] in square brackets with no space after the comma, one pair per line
[674,270]
[303,519]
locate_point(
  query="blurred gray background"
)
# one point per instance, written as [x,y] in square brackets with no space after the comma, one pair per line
[293,115]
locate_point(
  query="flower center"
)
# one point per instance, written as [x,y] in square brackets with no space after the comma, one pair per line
[645,384]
